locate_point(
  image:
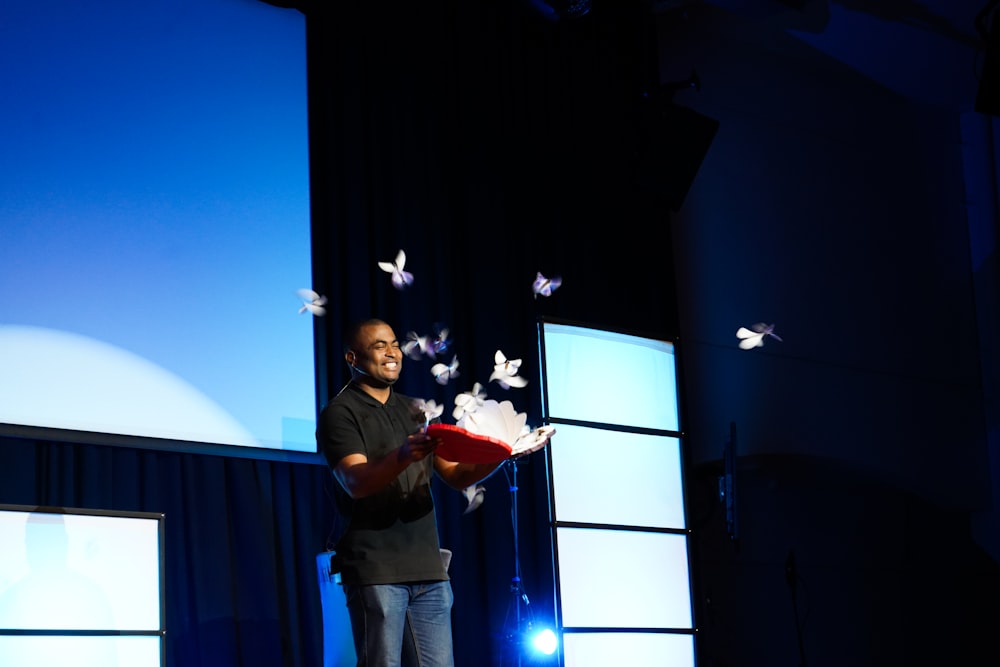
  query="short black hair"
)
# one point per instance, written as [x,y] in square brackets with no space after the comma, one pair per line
[353,332]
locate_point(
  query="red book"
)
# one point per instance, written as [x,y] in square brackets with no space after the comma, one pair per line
[462,446]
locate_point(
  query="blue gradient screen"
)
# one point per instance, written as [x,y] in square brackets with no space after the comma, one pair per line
[154,223]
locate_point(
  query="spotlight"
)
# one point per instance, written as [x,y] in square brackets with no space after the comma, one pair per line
[544,641]
[532,646]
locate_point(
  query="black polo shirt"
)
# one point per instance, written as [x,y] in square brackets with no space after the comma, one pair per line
[390,536]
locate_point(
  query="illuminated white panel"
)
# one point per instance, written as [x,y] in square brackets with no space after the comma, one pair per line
[588,373]
[649,495]
[631,649]
[50,651]
[79,572]
[623,579]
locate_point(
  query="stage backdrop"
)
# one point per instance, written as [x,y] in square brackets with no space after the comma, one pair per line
[489,143]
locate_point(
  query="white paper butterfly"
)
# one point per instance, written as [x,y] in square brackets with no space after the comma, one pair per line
[505,372]
[426,411]
[545,286]
[415,347]
[312,302]
[469,401]
[755,335]
[473,496]
[400,278]
[444,372]
[438,343]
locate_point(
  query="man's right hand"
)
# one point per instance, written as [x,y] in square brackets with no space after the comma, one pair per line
[417,446]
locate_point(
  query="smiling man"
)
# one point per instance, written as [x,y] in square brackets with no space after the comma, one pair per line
[399,596]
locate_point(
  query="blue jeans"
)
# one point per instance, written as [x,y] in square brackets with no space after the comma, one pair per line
[402,625]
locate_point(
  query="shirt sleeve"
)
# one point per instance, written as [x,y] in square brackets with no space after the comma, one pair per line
[339,434]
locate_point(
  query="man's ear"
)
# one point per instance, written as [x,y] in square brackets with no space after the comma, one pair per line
[352,358]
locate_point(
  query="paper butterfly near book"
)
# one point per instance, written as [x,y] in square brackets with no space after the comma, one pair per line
[312,302]
[473,497]
[424,412]
[755,335]
[505,372]
[400,278]
[545,286]
[444,372]
[469,401]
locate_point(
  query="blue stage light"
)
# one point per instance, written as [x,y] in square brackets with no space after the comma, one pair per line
[544,641]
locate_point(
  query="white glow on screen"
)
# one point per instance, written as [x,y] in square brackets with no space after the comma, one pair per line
[650,495]
[623,579]
[155,207]
[594,369]
[54,368]
[632,649]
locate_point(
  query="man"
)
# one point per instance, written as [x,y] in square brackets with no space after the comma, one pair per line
[399,597]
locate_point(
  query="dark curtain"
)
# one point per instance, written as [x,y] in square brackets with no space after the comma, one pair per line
[490,143]
[241,537]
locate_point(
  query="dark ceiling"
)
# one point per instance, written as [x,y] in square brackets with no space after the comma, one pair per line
[930,51]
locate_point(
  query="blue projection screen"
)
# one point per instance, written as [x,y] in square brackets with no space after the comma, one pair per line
[155,225]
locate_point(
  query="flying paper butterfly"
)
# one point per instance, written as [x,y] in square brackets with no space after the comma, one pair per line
[426,411]
[545,286]
[505,372]
[444,372]
[400,278]
[312,302]
[415,347]
[473,496]
[439,343]
[469,401]
[755,335]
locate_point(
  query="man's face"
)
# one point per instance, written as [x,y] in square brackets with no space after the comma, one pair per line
[378,355]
